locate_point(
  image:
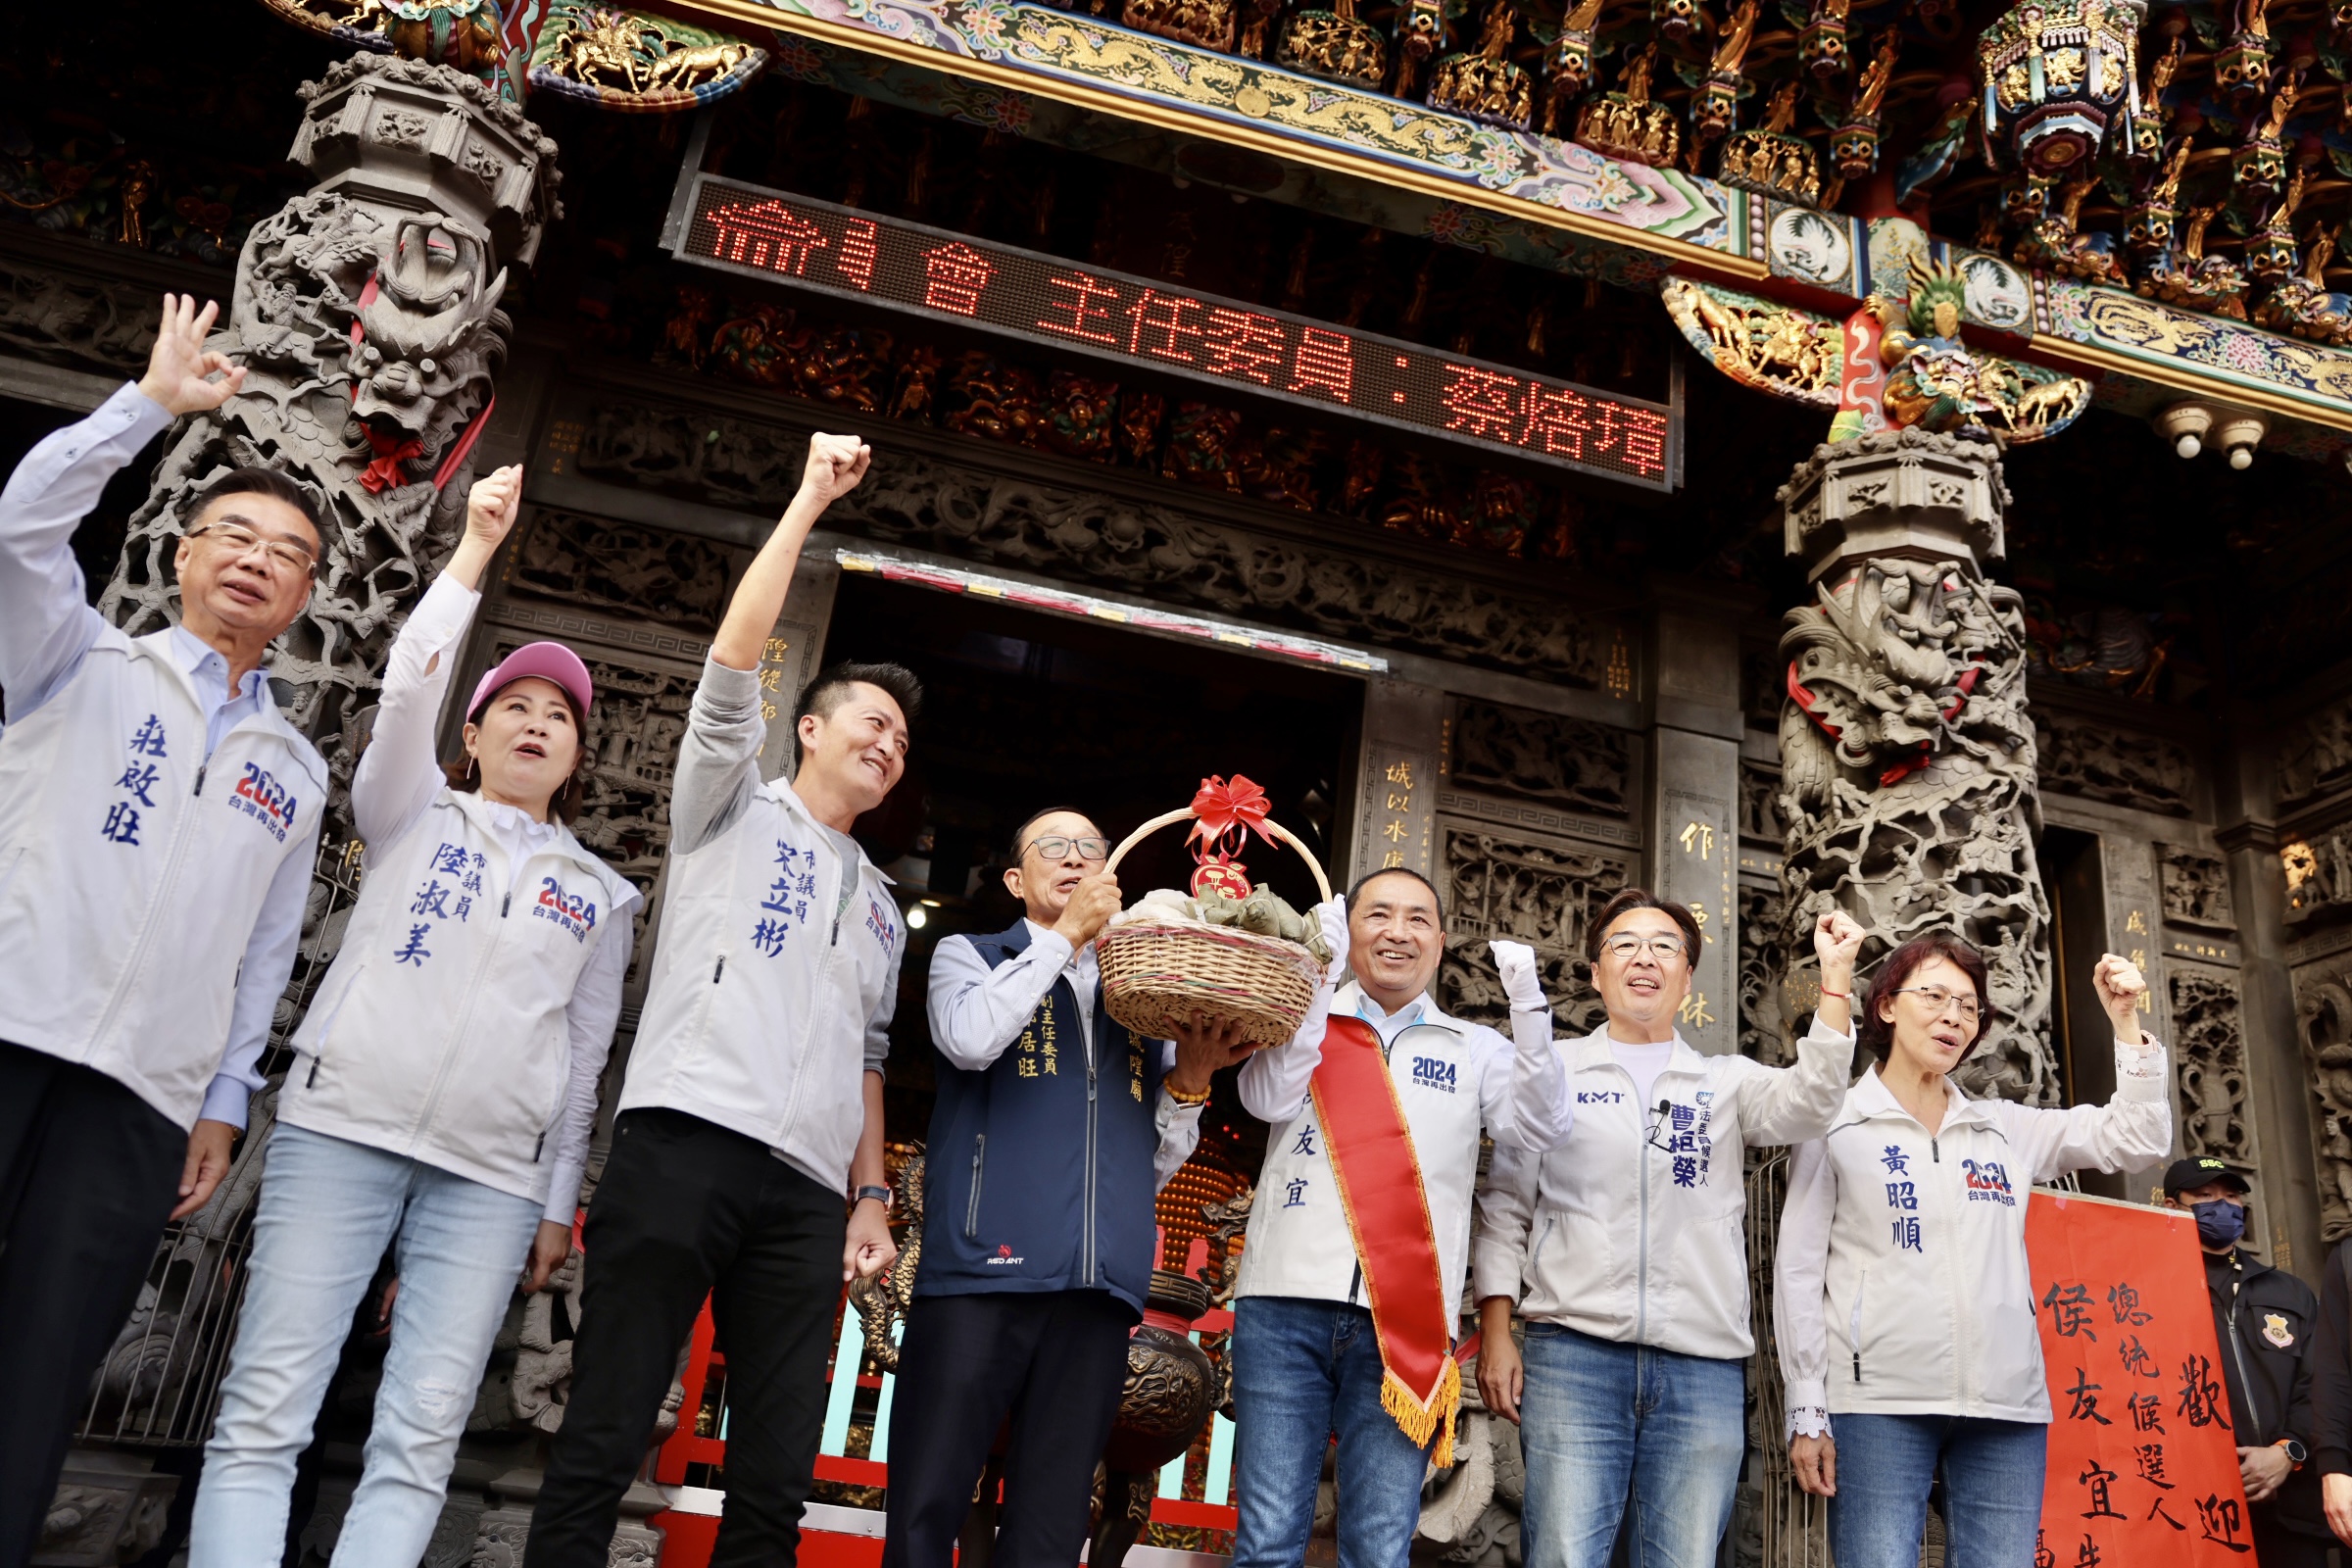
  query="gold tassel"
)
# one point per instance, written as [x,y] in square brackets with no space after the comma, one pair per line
[1423,1422]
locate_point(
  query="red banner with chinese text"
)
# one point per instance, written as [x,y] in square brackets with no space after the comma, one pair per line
[2143,1465]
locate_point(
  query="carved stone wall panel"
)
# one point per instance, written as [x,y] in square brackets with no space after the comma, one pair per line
[2324,1013]
[1548,758]
[1539,891]
[2197,888]
[94,323]
[1087,536]
[2318,876]
[2315,757]
[675,578]
[2209,1065]
[2099,763]
[1764,1031]
[1760,803]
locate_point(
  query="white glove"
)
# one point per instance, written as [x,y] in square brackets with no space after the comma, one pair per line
[1522,981]
[1332,915]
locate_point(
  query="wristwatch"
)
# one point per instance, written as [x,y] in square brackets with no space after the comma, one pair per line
[2296,1453]
[880,1194]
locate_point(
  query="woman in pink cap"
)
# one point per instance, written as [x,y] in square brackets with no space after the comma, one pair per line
[445,1083]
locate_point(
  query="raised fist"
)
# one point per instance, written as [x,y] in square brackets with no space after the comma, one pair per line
[1836,940]
[493,504]
[836,463]
[2119,986]
[1522,981]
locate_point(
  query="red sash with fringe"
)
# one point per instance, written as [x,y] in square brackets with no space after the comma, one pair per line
[1379,1178]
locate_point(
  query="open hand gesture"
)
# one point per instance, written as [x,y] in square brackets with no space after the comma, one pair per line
[493,504]
[179,366]
[836,463]
[2119,986]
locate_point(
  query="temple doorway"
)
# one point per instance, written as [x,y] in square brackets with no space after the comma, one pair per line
[1023,711]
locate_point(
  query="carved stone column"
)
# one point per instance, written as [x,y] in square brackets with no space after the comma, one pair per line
[367,316]
[1907,756]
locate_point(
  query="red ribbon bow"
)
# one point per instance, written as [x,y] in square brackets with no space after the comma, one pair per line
[391,451]
[1229,812]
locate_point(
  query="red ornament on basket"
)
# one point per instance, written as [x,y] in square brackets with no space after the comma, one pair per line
[1224,815]
[1220,874]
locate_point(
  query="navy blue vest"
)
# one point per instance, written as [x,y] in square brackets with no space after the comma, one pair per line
[1040,1168]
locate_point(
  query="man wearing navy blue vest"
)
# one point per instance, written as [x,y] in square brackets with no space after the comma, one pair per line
[1050,1138]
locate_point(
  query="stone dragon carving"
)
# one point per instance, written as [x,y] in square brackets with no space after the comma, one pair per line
[367,315]
[1908,786]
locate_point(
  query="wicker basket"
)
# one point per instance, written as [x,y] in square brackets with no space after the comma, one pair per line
[1156,974]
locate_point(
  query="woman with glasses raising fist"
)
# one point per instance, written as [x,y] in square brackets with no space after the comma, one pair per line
[1624,1249]
[1902,1303]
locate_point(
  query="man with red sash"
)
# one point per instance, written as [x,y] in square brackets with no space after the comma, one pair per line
[1351,1284]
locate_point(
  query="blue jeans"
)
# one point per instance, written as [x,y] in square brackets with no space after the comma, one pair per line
[328,1209]
[1602,1424]
[1302,1371]
[1991,1489]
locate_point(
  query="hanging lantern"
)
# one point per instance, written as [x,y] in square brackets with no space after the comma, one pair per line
[2148,223]
[1854,140]
[2055,74]
[1715,101]
[1820,47]
[2241,67]
[1568,63]
[1675,22]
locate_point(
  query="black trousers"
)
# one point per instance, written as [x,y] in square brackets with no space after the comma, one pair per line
[88,1174]
[2275,1546]
[1055,1362]
[687,1208]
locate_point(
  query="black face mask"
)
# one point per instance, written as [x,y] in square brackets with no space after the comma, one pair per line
[2220,1222]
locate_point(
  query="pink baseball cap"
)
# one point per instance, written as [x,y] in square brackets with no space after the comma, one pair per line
[547,660]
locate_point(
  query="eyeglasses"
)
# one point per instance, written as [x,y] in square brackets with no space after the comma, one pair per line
[1937,998]
[1625,947]
[1054,849]
[238,541]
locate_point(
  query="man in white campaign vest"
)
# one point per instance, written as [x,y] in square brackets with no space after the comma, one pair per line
[754,1096]
[158,817]
[1359,1236]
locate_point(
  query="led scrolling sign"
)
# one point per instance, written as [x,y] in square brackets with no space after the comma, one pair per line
[1060,305]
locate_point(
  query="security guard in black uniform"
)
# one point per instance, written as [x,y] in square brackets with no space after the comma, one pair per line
[2264,1318]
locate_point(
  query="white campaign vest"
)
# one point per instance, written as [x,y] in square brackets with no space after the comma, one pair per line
[755,1016]
[443,1031]
[1299,1242]
[1928,1300]
[132,870]
[1929,1303]
[1636,1223]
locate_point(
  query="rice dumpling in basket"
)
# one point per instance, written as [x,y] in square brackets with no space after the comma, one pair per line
[1224,952]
